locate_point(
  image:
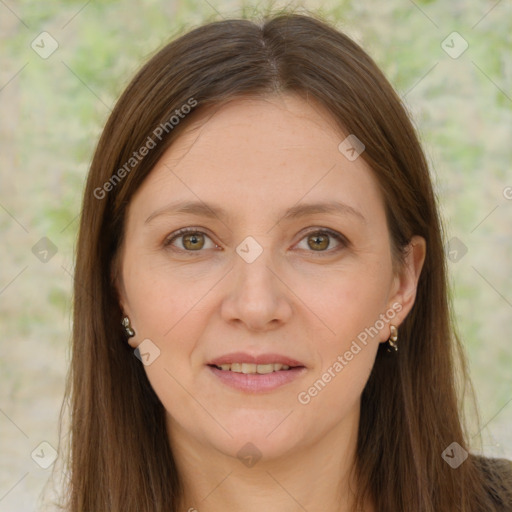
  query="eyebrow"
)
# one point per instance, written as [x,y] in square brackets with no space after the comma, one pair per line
[202,209]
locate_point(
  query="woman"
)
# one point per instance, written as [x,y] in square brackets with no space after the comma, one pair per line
[260,220]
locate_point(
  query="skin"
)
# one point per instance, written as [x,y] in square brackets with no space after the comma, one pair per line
[257,157]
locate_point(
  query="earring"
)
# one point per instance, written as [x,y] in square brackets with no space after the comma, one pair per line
[127,327]
[393,338]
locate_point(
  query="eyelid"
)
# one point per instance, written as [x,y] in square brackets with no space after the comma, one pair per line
[344,242]
[183,231]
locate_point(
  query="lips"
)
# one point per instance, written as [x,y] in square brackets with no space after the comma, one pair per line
[261,359]
[255,373]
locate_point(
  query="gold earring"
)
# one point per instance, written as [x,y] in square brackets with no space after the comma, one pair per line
[393,338]
[125,322]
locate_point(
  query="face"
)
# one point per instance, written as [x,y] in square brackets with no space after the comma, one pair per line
[262,322]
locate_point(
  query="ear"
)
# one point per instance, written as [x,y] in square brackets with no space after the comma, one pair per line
[405,282]
[116,279]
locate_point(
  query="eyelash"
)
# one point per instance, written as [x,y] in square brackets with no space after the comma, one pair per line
[324,231]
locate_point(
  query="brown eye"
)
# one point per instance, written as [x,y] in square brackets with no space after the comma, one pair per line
[193,241]
[318,241]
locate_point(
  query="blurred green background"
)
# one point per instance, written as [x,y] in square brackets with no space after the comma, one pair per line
[52,111]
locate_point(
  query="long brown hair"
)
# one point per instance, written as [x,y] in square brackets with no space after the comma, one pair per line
[119,453]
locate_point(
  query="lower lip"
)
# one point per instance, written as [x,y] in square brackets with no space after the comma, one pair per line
[257,383]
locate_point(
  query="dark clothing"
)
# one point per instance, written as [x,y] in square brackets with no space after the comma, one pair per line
[498,481]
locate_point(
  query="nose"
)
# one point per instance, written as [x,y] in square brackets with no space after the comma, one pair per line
[257,295]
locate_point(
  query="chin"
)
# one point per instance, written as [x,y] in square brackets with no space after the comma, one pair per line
[267,435]
[255,447]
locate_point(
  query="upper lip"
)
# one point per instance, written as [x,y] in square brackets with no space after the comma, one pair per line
[243,357]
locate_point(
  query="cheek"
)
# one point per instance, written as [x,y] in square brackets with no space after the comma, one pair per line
[167,309]
[348,302]
[353,311]
[161,299]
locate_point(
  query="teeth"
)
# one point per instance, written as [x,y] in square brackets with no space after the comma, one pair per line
[254,368]
[265,368]
[249,368]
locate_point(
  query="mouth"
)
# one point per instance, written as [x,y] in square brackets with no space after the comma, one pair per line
[255,374]
[251,368]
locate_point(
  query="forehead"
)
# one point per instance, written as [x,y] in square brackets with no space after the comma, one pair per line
[257,152]
[275,123]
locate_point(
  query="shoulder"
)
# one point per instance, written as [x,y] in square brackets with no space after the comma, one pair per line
[497,478]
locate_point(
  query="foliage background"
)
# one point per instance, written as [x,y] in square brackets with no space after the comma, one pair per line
[52,112]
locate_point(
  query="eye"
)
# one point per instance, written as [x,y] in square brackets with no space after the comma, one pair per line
[318,240]
[193,240]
